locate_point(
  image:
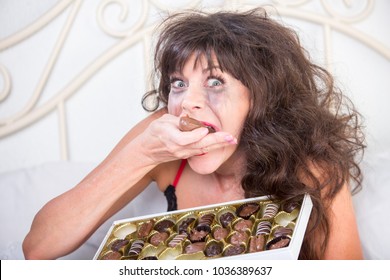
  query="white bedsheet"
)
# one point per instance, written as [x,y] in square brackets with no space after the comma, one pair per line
[25,191]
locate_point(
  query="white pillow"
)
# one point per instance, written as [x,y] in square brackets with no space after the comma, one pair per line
[25,191]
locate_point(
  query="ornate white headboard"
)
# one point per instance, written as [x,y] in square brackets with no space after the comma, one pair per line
[72,72]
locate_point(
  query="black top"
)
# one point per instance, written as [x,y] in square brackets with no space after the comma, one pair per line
[170,194]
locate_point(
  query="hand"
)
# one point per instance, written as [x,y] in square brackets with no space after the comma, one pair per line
[162,141]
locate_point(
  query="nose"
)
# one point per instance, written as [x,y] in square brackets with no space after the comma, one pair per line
[193,100]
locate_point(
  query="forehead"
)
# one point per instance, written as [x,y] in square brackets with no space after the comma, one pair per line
[198,60]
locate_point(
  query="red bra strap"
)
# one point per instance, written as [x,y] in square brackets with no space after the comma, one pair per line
[179,172]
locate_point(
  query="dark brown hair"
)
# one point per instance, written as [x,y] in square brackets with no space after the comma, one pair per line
[299,121]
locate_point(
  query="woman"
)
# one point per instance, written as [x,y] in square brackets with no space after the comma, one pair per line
[282,129]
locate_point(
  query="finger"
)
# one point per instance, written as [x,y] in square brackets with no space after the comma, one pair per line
[211,143]
[211,139]
[207,149]
[189,137]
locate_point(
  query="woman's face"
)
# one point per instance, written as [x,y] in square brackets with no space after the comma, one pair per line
[213,97]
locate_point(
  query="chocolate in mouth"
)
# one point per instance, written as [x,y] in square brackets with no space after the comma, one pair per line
[187,124]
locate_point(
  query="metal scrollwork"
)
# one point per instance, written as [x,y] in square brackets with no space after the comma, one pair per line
[349,10]
[6,83]
[175,5]
[108,29]
[291,2]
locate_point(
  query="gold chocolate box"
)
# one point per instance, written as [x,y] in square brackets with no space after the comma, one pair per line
[254,228]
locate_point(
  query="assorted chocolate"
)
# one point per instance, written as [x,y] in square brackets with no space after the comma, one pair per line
[228,230]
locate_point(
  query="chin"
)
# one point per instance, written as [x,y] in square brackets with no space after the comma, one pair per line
[205,164]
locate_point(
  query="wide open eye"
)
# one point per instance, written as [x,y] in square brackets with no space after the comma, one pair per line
[214,82]
[176,83]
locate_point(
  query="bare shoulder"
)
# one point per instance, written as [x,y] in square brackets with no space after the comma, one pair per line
[344,240]
[165,173]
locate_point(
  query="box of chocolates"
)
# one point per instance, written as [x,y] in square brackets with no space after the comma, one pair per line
[255,228]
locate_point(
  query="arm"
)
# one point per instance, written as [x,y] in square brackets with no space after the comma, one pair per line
[344,241]
[65,222]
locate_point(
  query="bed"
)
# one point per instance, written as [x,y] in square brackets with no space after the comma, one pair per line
[72,74]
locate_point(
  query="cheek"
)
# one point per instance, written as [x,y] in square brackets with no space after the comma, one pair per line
[174,106]
[239,115]
[215,100]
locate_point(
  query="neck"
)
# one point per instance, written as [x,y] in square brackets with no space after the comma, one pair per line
[229,175]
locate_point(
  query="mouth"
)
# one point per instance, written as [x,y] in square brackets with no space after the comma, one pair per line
[188,123]
[212,128]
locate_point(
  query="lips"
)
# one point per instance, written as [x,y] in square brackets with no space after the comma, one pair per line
[211,127]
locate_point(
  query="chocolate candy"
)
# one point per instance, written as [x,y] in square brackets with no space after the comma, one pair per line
[118,244]
[270,210]
[198,235]
[233,250]
[150,258]
[159,237]
[177,239]
[185,224]
[226,218]
[205,221]
[220,233]
[145,229]
[136,247]
[278,242]
[163,225]
[257,243]
[264,227]
[188,124]
[290,206]
[112,256]
[238,238]
[243,225]
[248,209]
[194,247]
[281,231]
[213,250]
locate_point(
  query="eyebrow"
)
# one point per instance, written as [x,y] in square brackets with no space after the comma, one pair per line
[209,69]
[205,70]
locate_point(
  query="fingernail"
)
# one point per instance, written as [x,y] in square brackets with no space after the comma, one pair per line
[230,139]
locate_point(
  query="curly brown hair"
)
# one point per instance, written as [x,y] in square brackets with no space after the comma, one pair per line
[299,122]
